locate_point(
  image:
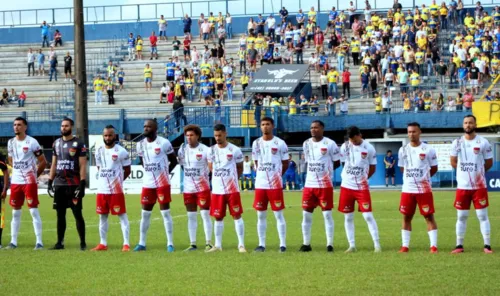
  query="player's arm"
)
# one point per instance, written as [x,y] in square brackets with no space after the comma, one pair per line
[371,170]
[82,161]
[172,161]
[53,167]
[284,164]
[488,163]
[285,159]
[5,171]
[454,161]
[239,169]
[42,163]
[239,162]
[401,160]
[454,154]
[126,172]
[434,170]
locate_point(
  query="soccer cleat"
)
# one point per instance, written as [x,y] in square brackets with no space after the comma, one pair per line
[434,250]
[191,248]
[404,250]
[458,249]
[259,249]
[305,248]
[126,248]
[139,248]
[100,247]
[170,249]
[213,250]
[487,249]
[38,247]
[351,250]
[57,246]
[11,246]
[282,249]
[242,249]
[378,250]
[329,249]
[83,247]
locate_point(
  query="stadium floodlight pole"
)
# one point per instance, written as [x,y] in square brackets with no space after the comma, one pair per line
[81,102]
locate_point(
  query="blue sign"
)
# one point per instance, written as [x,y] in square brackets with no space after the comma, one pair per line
[493,180]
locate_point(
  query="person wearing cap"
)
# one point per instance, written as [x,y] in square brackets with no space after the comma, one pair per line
[97,87]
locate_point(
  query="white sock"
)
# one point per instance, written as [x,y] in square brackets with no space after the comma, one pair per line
[192,226]
[125,228]
[262,227]
[37,224]
[461,226]
[281,225]
[306,227]
[145,222]
[433,237]
[329,224]
[240,231]
[349,229]
[169,226]
[406,234]
[15,224]
[484,224]
[103,229]
[207,225]
[373,228]
[219,229]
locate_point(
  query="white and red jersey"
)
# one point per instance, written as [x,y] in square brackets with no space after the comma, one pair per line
[268,156]
[417,163]
[320,157]
[155,161]
[224,173]
[357,159]
[470,166]
[194,162]
[24,154]
[110,163]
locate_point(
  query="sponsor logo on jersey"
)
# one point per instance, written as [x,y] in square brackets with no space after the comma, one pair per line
[324,150]
[274,150]
[476,150]
[25,149]
[161,197]
[425,208]
[199,157]
[422,156]
[114,157]
[157,151]
[72,151]
[229,157]
[364,154]
[236,209]
[366,205]
[116,209]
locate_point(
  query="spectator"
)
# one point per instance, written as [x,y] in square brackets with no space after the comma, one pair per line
[350,11]
[323,82]
[374,79]
[386,102]
[314,105]
[163,94]
[277,56]
[440,102]
[121,77]
[284,14]
[187,49]
[45,33]
[459,101]
[406,103]
[22,99]
[131,47]
[344,107]
[303,169]
[442,72]
[41,60]
[450,105]
[205,29]
[110,89]
[299,48]
[187,22]
[178,109]
[271,27]
[221,34]
[201,20]
[258,108]
[346,82]
[13,96]
[53,68]
[5,97]
[138,47]
[377,101]
[229,26]
[58,38]
[474,78]
[148,77]
[468,99]
[162,28]
[300,18]
[31,62]
[97,88]
[153,45]
[68,60]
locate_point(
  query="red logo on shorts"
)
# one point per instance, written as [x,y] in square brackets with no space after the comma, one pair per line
[324,150]
[425,208]
[277,204]
[274,150]
[229,157]
[157,151]
[476,150]
[25,149]
[422,156]
[199,157]
[482,202]
[75,201]
[236,209]
[364,155]
[116,209]
[72,151]
[161,197]
[366,206]
[114,157]
[259,205]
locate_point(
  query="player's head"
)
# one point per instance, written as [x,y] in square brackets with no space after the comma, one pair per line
[220,134]
[317,129]
[354,135]
[246,158]
[389,153]
[20,126]
[67,127]
[414,131]
[150,128]
[193,134]
[469,124]
[267,125]
[109,136]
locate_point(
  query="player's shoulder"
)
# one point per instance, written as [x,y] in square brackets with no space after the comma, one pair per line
[368,146]
[482,139]
[306,141]
[233,147]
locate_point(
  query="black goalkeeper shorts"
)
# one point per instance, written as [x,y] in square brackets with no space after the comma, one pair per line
[64,197]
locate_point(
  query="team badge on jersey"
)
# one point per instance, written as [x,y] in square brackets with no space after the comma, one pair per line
[114,157]
[229,157]
[25,149]
[422,156]
[157,151]
[161,197]
[324,150]
[116,209]
[425,208]
[199,157]
[364,154]
[72,151]
[476,150]
[274,150]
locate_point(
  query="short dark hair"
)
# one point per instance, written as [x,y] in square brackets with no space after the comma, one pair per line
[470,116]
[153,120]
[353,131]
[414,124]
[193,128]
[319,122]
[71,122]
[389,151]
[109,126]
[219,127]
[268,119]
[21,119]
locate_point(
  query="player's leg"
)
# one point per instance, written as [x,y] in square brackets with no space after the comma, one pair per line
[326,203]
[102,209]
[278,205]
[386,177]
[60,205]
[309,203]
[236,209]
[164,200]
[346,206]
[365,207]
[16,202]
[148,200]
[407,207]
[118,208]
[192,215]
[218,211]
[260,205]
[480,200]
[80,225]
[426,205]
[462,203]
[203,201]
[31,193]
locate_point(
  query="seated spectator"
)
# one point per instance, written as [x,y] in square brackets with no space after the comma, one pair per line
[22,99]
[267,58]
[58,38]
[276,56]
[5,97]
[314,104]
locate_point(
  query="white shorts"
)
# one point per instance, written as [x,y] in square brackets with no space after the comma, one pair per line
[474,83]
[40,66]
[175,53]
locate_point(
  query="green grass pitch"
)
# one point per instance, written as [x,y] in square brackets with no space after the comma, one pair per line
[156,272]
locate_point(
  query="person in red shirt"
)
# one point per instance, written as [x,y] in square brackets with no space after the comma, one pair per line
[319,38]
[22,98]
[187,48]
[346,82]
[154,50]
[468,100]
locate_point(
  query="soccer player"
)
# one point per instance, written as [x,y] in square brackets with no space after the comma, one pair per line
[193,159]
[246,181]
[23,154]
[270,155]
[4,184]
[225,161]
[472,157]
[67,174]
[322,157]
[418,163]
[158,159]
[360,161]
[113,163]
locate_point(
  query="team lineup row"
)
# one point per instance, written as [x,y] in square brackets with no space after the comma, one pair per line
[471,156]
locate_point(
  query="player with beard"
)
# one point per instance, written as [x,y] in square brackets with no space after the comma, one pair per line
[158,158]
[113,163]
[472,157]
[418,163]
[24,152]
[67,180]
[4,184]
